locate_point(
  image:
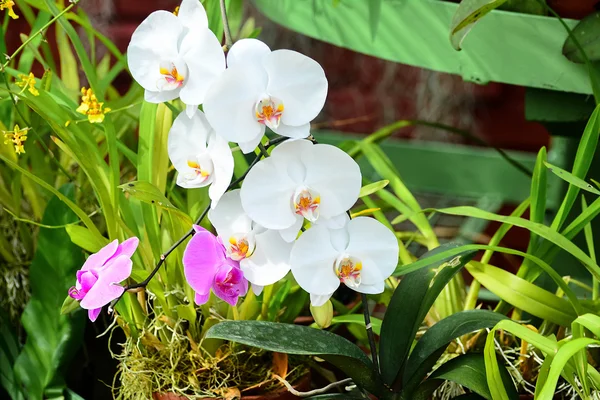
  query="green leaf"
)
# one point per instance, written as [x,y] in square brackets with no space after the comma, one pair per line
[587,33]
[372,188]
[301,340]
[9,351]
[523,294]
[572,179]
[85,239]
[357,319]
[419,289]
[52,338]
[374,14]
[543,231]
[435,340]
[539,185]
[469,371]
[150,194]
[468,13]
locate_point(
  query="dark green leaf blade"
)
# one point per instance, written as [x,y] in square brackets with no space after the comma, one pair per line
[419,289]
[52,338]
[435,340]
[587,33]
[302,340]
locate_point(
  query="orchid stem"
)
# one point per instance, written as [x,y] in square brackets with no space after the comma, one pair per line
[163,257]
[370,334]
[226,29]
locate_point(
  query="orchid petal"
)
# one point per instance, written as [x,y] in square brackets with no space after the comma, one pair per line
[270,261]
[228,217]
[318,300]
[192,14]
[375,288]
[127,248]
[223,164]
[191,109]
[376,246]
[290,234]
[312,261]
[230,101]
[205,61]
[246,51]
[252,144]
[93,313]
[160,97]
[335,176]
[201,298]
[107,286]
[230,283]
[257,289]
[299,82]
[266,194]
[296,132]
[201,258]
[154,40]
[97,260]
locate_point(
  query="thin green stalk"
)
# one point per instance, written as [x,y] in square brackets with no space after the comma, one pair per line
[43,28]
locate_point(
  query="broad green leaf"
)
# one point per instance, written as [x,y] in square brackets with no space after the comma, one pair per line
[374,14]
[69,69]
[468,13]
[148,193]
[435,340]
[572,179]
[85,239]
[357,319]
[52,338]
[372,188]
[587,33]
[419,289]
[302,340]
[538,195]
[559,361]
[9,351]
[523,294]
[469,371]
[543,231]
[591,322]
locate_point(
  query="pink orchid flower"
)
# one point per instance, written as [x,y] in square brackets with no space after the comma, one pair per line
[98,280]
[206,266]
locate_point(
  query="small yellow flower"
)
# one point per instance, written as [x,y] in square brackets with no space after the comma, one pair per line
[28,81]
[17,136]
[176,11]
[9,4]
[91,107]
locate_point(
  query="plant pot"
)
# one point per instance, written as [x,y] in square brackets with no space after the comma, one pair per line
[302,385]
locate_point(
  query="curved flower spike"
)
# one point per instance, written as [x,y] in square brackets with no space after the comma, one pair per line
[300,181]
[206,266]
[263,255]
[283,90]
[362,255]
[173,56]
[98,280]
[200,156]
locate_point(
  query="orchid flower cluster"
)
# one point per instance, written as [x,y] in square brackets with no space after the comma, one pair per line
[292,211]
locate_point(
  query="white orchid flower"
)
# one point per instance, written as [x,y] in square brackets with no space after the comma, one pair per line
[173,56]
[262,253]
[300,181]
[361,255]
[200,156]
[281,89]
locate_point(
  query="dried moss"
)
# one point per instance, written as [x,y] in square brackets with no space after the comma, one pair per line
[180,366]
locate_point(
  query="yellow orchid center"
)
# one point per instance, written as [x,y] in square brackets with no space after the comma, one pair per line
[9,4]
[240,246]
[306,203]
[347,269]
[172,76]
[17,136]
[28,82]
[91,107]
[176,11]
[198,169]
[269,111]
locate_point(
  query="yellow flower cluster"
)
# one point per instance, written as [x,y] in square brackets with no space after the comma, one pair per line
[17,136]
[91,107]
[28,81]
[8,4]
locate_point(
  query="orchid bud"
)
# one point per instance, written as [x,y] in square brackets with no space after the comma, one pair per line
[322,314]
